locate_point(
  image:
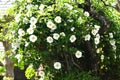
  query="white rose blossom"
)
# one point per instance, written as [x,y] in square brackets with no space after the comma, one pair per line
[72,38]
[33,26]
[30,30]
[49,39]
[102,57]
[57,19]
[51,25]
[97,27]
[26,44]
[86,14]
[78,54]
[98,36]
[56,36]
[41,73]
[94,32]
[21,32]
[41,7]
[57,65]
[33,20]
[70,7]
[111,35]
[73,28]
[33,38]
[62,34]
[87,37]
[112,42]
[97,41]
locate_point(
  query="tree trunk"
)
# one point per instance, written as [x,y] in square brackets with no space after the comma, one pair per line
[9,65]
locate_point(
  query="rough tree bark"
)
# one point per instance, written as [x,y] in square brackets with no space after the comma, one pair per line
[9,65]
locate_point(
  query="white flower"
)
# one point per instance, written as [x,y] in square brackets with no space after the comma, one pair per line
[111,35]
[21,32]
[97,27]
[57,65]
[72,38]
[98,36]
[97,41]
[15,44]
[70,7]
[94,32]
[41,7]
[102,57]
[33,20]
[26,44]
[49,39]
[33,38]
[56,36]
[78,54]
[112,42]
[19,57]
[41,73]
[33,26]
[70,20]
[58,19]
[51,25]
[73,28]
[30,30]
[87,37]
[62,34]
[86,13]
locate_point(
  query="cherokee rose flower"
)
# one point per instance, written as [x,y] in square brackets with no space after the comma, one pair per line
[72,38]
[41,73]
[51,25]
[21,32]
[33,26]
[86,14]
[78,54]
[58,19]
[33,38]
[97,27]
[94,32]
[33,20]
[98,36]
[112,42]
[57,65]
[41,7]
[111,35]
[62,34]
[56,36]
[97,41]
[87,37]
[49,39]
[73,28]
[30,30]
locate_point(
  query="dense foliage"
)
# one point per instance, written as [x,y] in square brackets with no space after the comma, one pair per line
[56,38]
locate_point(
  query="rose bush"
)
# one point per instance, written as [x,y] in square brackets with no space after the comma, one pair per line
[54,37]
